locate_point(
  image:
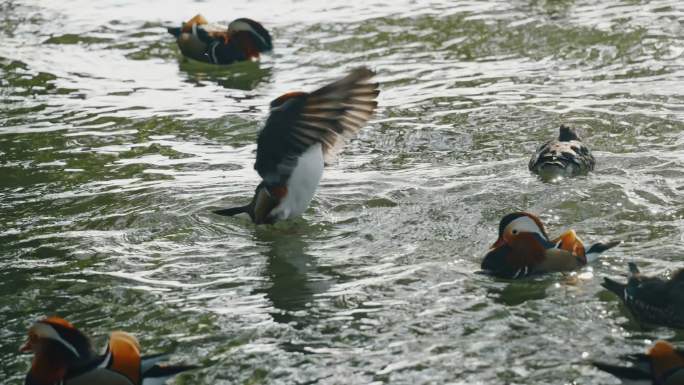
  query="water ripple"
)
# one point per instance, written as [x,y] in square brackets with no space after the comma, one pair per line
[113,151]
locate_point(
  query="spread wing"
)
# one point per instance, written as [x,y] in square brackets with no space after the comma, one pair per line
[299,120]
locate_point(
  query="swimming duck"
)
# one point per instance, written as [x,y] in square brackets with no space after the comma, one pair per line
[63,355]
[523,248]
[303,133]
[652,300]
[566,156]
[663,364]
[243,39]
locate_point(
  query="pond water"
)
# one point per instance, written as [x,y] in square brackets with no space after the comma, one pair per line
[114,150]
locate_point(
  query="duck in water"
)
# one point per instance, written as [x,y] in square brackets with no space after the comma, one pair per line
[63,355]
[304,132]
[564,157]
[652,300]
[243,39]
[524,248]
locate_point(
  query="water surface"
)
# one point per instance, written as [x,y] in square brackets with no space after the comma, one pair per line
[113,151]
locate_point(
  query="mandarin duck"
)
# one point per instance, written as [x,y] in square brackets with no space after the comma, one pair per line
[243,39]
[63,355]
[566,156]
[524,248]
[663,364]
[652,300]
[303,133]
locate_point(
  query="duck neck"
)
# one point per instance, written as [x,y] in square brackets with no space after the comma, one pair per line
[46,372]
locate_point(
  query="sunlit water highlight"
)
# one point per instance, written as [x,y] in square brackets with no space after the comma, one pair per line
[113,150]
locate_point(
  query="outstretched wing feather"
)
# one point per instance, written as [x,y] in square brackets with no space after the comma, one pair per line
[328,116]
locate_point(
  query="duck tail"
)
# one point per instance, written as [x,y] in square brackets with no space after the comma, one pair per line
[614,287]
[597,248]
[158,374]
[229,212]
[623,372]
[147,362]
[175,31]
[567,134]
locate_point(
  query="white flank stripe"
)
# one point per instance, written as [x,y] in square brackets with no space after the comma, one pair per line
[106,360]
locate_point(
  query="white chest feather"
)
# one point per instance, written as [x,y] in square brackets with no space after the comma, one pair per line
[302,184]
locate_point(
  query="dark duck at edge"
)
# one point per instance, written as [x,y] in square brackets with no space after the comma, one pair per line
[663,364]
[652,300]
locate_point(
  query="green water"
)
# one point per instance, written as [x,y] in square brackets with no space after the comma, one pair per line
[113,151]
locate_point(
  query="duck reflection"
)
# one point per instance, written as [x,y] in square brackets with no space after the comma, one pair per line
[240,76]
[294,275]
[517,292]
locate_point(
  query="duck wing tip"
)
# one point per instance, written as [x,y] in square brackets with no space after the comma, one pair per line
[600,247]
[158,374]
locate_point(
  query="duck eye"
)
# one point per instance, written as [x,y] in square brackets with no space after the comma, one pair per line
[515,232]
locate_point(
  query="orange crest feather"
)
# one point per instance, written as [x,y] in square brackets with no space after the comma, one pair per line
[198,19]
[569,241]
[58,321]
[285,97]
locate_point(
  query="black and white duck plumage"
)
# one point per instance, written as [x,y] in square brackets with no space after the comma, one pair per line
[652,300]
[563,157]
[304,132]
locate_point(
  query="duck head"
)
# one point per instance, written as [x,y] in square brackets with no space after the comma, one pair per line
[522,230]
[262,38]
[259,209]
[567,134]
[56,346]
[265,200]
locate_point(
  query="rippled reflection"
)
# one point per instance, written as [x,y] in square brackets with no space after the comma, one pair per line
[517,292]
[293,273]
[113,150]
[241,76]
